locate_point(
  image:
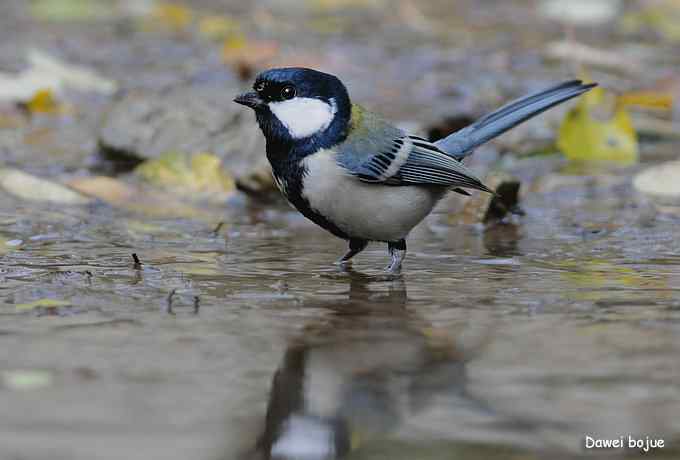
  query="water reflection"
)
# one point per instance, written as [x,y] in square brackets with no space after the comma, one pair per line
[501,240]
[357,376]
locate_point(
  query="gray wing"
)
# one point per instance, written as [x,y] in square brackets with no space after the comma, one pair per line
[411,160]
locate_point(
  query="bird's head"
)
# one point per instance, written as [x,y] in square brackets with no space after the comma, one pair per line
[297,104]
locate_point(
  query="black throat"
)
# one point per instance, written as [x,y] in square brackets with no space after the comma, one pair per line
[286,156]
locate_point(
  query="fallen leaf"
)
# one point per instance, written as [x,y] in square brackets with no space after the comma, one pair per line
[73,76]
[43,101]
[43,304]
[71,10]
[32,188]
[647,99]
[145,201]
[8,245]
[218,27]
[662,16]
[598,128]
[48,73]
[26,379]
[112,191]
[209,175]
[201,174]
[661,181]
[173,16]
[237,50]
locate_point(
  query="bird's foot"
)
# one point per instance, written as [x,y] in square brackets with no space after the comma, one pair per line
[393,268]
[342,262]
[355,247]
[397,252]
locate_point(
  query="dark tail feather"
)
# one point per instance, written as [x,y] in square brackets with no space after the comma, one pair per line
[463,142]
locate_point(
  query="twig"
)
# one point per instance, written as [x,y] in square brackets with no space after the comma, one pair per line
[217,229]
[168,302]
[137,263]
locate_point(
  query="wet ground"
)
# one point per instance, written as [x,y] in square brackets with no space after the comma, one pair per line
[497,343]
[511,341]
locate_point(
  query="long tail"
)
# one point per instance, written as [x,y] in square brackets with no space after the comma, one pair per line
[461,143]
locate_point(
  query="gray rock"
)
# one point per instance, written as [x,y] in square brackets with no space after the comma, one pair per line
[193,119]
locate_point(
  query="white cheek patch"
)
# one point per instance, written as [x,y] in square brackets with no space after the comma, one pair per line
[304,116]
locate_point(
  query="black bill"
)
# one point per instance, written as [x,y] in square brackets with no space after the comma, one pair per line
[250,99]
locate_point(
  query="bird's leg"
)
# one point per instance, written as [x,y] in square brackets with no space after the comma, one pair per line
[355,247]
[397,250]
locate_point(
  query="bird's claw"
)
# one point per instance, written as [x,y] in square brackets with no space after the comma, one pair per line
[393,269]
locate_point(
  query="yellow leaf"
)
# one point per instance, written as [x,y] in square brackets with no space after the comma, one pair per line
[43,303]
[598,128]
[208,174]
[201,173]
[47,72]
[43,101]
[234,43]
[647,99]
[218,27]
[174,16]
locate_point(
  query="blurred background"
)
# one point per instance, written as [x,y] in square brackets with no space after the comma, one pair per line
[519,326]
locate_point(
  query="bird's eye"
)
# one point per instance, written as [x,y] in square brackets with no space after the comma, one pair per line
[288,92]
[259,87]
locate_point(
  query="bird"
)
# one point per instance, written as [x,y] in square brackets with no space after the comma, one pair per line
[357,175]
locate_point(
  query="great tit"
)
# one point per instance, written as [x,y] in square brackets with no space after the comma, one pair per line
[355,174]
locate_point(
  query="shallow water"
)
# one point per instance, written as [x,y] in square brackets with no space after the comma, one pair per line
[515,341]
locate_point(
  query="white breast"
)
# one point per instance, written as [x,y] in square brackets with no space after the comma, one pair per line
[362,210]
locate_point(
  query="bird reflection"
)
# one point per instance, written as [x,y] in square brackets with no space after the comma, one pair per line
[501,239]
[358,375]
